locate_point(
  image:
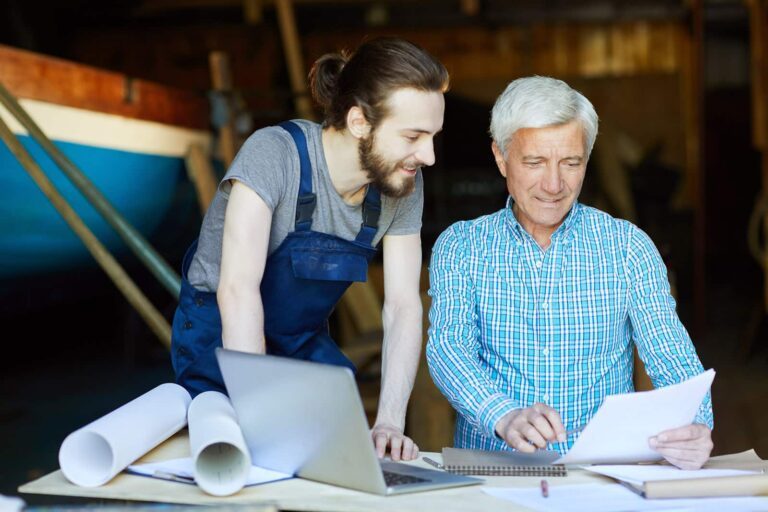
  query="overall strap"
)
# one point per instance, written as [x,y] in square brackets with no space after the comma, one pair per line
[305,204]
[371,213]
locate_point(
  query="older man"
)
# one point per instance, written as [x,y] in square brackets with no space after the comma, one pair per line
[536,307]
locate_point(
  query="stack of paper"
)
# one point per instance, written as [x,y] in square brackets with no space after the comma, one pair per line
[619,431]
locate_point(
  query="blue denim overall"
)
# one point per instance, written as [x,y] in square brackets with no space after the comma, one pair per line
[303,280]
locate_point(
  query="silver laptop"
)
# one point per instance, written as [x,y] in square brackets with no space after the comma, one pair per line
[307,419]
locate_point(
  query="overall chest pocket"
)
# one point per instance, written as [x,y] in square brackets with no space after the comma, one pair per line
[329,265]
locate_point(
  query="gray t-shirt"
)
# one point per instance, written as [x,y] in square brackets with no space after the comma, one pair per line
[268,163]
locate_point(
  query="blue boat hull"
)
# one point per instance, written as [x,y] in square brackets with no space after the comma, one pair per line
[35,239]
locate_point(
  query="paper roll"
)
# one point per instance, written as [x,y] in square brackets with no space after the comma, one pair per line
[221,458]
[94,454]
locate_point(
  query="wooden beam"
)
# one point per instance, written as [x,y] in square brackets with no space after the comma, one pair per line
[221,82]
[253,11]
[758,35]
[202,176]
[693,112]
[758,25]
[294,60]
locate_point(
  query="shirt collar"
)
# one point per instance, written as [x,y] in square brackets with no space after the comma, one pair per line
[564,231]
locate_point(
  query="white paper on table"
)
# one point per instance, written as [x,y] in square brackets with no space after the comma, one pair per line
[619,431]
[638,474]
[221,460]
[613,497]
[94,454]
[184,470]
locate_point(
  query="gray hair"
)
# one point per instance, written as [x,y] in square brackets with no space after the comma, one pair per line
[539,102]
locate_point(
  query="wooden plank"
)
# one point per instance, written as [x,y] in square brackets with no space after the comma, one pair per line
[32,76]
[502,53]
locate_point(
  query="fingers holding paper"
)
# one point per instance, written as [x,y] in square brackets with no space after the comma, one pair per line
[401,447]
[686,447]
[531,428]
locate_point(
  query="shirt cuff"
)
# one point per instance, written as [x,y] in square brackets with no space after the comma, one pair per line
[705,419]
[492,410]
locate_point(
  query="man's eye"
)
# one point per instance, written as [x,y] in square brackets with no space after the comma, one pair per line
[412,138]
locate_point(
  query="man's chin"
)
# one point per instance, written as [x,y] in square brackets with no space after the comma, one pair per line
[400,190]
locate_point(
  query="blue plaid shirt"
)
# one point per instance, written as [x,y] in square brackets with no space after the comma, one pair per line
[512,324]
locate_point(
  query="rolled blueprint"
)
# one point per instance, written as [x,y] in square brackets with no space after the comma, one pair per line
[221,459]
[94,454]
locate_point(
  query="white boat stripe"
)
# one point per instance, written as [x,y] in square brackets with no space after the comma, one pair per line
[97,129]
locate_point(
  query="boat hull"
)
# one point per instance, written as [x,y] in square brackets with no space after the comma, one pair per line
[35,239]
[129,137]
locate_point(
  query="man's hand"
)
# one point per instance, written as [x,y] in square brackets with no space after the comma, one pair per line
[531,428]
[401,447]
[686,447]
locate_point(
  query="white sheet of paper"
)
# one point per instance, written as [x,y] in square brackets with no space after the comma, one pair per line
[221,460]
[613,497]
[93,455]
[619,431]
[640,473]
[185,469]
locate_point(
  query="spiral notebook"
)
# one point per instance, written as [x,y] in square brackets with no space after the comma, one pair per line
[496,463]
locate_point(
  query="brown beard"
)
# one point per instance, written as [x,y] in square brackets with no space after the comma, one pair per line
[381,172]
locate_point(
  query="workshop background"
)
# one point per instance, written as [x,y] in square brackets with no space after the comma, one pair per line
[681,88]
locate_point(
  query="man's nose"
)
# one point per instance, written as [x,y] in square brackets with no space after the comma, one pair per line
[552,181]
[426,153]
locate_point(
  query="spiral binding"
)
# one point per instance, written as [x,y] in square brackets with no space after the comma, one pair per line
[550,470]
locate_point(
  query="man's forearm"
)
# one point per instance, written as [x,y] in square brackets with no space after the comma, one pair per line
[400,360]
[467,386]
[242,319]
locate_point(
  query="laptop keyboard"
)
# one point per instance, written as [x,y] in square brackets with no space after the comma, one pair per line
[392,479]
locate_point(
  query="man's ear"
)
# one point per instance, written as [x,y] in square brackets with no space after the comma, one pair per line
[499,157]
[357,124]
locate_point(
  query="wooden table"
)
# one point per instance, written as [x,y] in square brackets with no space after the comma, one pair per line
[295,494]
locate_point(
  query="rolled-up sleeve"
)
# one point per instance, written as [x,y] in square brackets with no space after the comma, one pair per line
[454,346]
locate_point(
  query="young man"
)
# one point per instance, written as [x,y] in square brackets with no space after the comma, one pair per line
[536,307]
[298,217]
